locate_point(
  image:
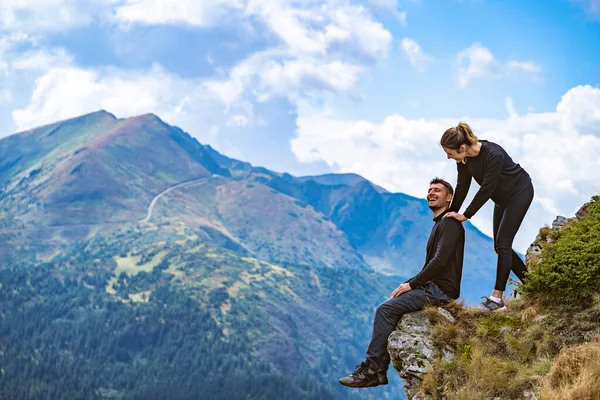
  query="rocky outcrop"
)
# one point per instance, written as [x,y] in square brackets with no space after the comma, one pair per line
[412,351]
[544,237]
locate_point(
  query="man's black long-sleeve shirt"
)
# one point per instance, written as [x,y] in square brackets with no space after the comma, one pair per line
[497,174]
[444,261]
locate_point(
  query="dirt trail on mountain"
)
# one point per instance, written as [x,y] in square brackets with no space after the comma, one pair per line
[145,220]
[158,196]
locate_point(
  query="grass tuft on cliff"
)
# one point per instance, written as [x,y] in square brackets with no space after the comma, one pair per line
[546,345]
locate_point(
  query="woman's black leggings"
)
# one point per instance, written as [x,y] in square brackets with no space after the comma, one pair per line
[507,221]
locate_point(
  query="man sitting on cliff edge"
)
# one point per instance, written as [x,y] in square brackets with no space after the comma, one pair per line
[436,284]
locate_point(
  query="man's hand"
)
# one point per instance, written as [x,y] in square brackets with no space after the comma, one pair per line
[405,287]
[456,216]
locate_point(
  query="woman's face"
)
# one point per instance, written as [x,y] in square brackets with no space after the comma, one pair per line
[457,155]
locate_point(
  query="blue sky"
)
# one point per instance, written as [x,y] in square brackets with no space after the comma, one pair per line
[310,87]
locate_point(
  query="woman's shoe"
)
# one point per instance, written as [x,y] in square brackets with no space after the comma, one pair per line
[491,305]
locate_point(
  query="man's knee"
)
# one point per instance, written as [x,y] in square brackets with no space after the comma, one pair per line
[383,310]
[393,309]
[389,311]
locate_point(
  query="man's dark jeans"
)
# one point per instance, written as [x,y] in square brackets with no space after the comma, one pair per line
[391,311]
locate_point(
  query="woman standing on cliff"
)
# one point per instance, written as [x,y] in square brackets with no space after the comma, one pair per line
[500,179]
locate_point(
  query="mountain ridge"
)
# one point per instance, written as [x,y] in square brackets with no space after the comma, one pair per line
[136,213]
[112,172]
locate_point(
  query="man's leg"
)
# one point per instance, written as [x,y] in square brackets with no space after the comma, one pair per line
[390,312]
[373,371]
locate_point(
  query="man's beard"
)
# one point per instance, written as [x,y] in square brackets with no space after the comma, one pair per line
[440,207]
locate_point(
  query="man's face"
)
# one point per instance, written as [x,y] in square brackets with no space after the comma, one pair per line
[438,196]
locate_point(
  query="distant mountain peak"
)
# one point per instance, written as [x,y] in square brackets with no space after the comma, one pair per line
[347,179]
[96,115]
[148,117]
[102,113]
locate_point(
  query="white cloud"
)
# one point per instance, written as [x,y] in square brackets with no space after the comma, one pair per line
[366,35]
[560,150]
[390,6]
[193,12]
[22,60]
[8,43]
[42,59]
[387,4]
[5,96]
[415,55]
[309,27]
[402,16]
[237,121]
[478,62]
[321,45]
[291,77]
[269,76]
[43,14]
[315,46]
[65,92]
[510,107]
[36,16]
[523,66]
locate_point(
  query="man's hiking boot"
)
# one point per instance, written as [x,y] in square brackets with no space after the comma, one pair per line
[364,376]
[491,305]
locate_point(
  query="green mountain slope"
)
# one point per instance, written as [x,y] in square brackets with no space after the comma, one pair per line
[95,168]
[134,302]
[108,223]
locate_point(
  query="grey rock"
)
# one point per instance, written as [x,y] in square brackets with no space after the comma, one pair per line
[559,222]
[529,395]
[412,352]
[584,209]
[534,250]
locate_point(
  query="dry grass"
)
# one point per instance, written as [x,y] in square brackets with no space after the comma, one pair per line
[446,333]
[530,313]
[430,382]
[455,307]
[498,355]
[545,232]
[527,352]
[575,374]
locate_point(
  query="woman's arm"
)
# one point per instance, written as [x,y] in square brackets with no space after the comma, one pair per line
[462,187]
[490,181]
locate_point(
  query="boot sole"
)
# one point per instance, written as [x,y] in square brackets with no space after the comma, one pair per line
[373,383]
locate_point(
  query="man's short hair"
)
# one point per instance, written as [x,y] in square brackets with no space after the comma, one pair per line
[443,182]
